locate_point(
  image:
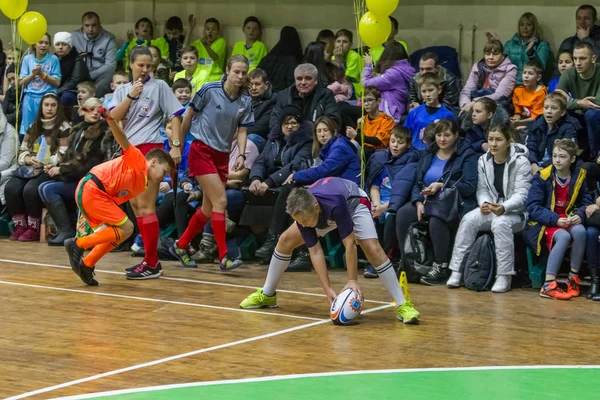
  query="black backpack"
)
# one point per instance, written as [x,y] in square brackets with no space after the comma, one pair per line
[418,254]
[479,264]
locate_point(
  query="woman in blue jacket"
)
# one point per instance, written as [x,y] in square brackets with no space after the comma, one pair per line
[452,155]
[334,155]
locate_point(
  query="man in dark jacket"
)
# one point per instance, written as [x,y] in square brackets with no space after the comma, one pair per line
[72,67]
[586,30]
[314,101]
[263,102]
[430,62]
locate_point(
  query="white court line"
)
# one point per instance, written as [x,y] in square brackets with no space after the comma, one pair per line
[179,356]
[320,375]
[180,303]
[180,279]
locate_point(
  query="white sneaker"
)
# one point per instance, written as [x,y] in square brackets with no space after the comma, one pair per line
[454,281]
[502,284]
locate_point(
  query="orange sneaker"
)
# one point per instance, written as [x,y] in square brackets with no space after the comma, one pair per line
[552,291]
[573,286]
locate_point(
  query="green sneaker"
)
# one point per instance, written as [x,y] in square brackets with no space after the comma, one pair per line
[183,256]
[407,313]
[259,300]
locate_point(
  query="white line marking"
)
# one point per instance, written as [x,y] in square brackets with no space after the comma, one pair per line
[179,356]
[322,374]
[180,279]
[180,303]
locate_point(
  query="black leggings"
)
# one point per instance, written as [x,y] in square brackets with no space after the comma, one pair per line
[180,215]
[280,219]
[441,233]
[22,197]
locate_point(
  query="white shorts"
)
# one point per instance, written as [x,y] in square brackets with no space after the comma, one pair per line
[364,227]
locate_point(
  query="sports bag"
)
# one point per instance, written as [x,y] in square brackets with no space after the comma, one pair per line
[479,264]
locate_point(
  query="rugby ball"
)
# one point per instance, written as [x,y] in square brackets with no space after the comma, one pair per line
[346,307]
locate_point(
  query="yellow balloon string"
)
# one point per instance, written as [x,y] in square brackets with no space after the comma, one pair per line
[359,10]
[17,63]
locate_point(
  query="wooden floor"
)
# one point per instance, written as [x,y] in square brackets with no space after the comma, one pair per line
[59,337]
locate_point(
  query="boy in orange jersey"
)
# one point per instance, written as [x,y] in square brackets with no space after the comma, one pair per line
[377,125]
[528,99]
[98,197]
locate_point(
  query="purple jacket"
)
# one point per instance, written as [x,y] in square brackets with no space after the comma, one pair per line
[501,79]
[393,84]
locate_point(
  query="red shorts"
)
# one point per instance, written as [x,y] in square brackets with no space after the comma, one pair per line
[204,160]
[145,148]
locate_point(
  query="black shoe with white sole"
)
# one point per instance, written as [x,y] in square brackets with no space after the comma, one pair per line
[144,271]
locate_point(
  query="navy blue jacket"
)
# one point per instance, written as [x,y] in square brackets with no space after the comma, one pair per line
[476,137]
[539,140]
[540,203]
[340,159]
[401,171]
[464,160]
[296,155]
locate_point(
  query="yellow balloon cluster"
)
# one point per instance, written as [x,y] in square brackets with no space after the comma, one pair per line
[375,26]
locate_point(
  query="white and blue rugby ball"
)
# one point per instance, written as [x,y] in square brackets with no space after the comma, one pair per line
[346,307]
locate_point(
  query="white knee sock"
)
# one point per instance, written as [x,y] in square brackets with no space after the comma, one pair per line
[277,266]
[387,275]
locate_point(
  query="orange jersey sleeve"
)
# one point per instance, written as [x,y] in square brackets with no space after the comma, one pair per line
[537,107]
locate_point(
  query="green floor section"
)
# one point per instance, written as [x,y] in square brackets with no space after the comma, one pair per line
[567,383]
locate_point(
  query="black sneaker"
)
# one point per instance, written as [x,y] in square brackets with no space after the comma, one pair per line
[268,247]
[131,269]
[143,271]
[438,275]
[75,255]
[370,272]
[87,275]
[229,264]
[300,263]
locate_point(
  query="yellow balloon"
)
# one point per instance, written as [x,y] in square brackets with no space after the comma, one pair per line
[382,8]
[374,31]
[32,27]
[13,9]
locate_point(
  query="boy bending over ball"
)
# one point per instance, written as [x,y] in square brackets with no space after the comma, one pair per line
[331,203]
[102,190]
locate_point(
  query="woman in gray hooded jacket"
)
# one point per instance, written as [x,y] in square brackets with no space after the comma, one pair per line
[504,180]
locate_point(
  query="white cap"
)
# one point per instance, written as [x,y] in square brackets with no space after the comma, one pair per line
[64,37]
